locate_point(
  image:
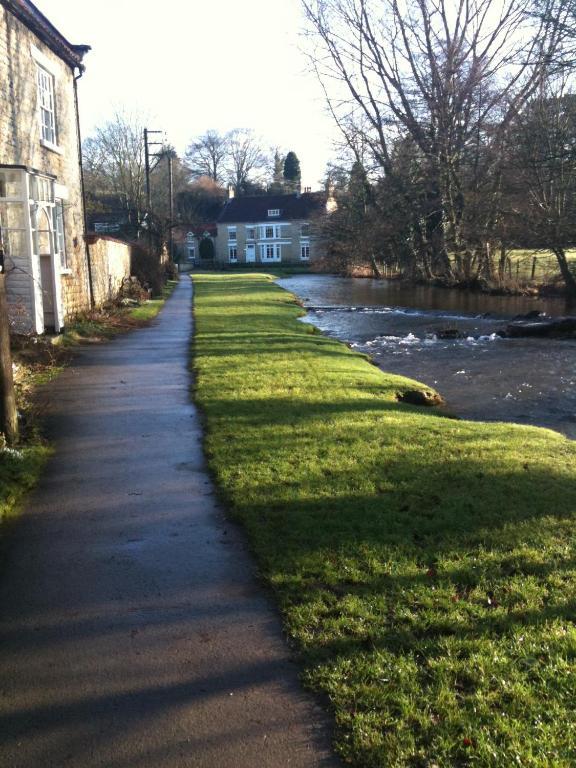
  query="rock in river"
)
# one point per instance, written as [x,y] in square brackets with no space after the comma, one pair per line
[561,326]
[420,397]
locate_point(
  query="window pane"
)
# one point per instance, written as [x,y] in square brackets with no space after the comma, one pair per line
[12,215]
[11,184]
[46,100]
[59,230]
[14,243]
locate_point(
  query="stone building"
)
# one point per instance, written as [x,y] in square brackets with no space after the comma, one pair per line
[41,209]
[270,229]
[187,244]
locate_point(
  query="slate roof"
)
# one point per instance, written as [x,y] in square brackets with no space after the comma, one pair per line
[46,31]
[291,207]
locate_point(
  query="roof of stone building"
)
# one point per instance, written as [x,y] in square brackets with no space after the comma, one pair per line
[291,207]
[46,31]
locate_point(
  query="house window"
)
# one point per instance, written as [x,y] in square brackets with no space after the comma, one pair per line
[305,230]
[250,232]
[13,218]
[59,237]
[41,189]
[273,212]
[46,102]
[232,254]
[232,234]
[268,232]
[304,251]
[271,252]
[191,253]
[190,237]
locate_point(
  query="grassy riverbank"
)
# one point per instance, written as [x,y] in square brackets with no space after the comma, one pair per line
[425,566]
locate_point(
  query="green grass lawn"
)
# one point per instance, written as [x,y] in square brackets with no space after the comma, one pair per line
[19,472]
[150,309]
[425,566]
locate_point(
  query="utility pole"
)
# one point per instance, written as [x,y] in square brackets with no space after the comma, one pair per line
[147,168]
[147,156]
[8,412]
[170,206]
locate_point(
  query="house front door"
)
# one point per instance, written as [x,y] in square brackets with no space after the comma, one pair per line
[47,279]
[47,283]
[250,253]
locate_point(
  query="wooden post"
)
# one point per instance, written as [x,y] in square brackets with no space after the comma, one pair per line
[533,275]
[8,413]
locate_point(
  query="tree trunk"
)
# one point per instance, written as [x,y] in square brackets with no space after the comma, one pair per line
[565,271]
[502,263]
[8,412]
[375,268]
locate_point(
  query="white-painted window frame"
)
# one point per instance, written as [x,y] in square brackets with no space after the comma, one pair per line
[47,74]
[46,106]
[59,229]
[270,252]
[271,232]
[233,254]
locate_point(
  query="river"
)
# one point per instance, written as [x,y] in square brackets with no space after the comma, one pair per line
[482,376]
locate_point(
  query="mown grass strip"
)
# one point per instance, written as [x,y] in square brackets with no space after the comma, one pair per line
[425,566]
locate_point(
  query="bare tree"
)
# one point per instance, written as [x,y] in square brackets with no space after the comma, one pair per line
[542,190]
[245,160]
[450,75]
[205,155]
[159,181]
[201,201]
[113,159]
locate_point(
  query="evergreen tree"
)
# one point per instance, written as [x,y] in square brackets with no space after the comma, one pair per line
[292,172]
[206,249]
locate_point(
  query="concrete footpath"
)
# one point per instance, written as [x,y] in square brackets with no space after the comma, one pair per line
[133,632]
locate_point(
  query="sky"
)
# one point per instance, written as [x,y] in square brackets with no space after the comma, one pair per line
[192,65]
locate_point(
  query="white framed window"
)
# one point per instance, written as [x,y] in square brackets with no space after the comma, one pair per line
[232,254]
[13,214]
[270,252]
[273,212]
[268,232]
[59,236]
[304,251]
[191,253]
[250,233]
[41,189]
[46,103]
[232,234]
[190,237]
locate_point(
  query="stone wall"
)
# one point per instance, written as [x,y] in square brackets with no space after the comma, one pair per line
[110,264]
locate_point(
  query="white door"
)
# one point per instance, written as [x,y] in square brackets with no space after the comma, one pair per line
[250,253]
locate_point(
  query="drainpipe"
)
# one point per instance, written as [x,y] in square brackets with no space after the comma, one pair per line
[83,191]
